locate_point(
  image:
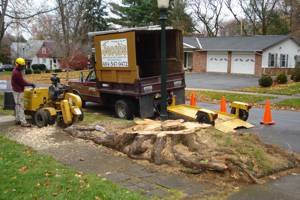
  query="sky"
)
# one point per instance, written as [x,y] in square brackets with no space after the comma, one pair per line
[48,4]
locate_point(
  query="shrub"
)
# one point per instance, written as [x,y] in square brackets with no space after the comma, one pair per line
[265,81]
[28,71]
[37,71]
[281,78]
[9,69]
[57,70]
[296,74]
[40,67]
[47,71]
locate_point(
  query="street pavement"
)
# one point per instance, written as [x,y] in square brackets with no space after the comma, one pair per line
[285,133]
[219,81]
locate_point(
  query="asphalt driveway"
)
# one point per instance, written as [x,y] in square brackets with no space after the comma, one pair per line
[219,81]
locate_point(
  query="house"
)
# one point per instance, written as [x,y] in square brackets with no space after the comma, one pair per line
[44,52]
[269,54]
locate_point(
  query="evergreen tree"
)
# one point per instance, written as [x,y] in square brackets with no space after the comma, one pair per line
[179,18]
[95,15]
[135,13]
[277,24]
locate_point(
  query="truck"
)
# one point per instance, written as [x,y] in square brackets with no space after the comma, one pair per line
[126,71]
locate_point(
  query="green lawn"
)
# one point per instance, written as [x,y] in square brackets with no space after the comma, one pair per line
[210,96]
[283,89]
[26,174]
[295,103]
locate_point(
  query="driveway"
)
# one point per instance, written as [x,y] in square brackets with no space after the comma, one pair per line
[219,81]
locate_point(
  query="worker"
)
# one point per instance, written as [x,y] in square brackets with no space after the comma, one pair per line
[18,83]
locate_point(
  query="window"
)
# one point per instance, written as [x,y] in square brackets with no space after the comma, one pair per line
[284,60]
[91,77]
[188,60]
[273,60]
[44,60]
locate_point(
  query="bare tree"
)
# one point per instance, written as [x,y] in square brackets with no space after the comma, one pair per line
[18,13]
[230,6]
[207,13]
[256,12]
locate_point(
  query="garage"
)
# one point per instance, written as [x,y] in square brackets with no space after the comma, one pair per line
[217,62]
[243,63]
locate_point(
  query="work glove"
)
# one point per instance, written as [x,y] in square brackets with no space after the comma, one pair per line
[32,85]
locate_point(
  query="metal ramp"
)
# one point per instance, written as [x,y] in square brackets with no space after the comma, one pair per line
[223,121]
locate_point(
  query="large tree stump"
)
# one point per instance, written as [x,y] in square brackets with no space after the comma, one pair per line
[187,145]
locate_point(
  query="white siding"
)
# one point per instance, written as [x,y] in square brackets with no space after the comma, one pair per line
[287,47]
[217,62]
[45,61]
[243,63]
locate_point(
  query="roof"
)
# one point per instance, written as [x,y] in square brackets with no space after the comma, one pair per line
[26,49]
[234,43]
[123,30]
[30,49]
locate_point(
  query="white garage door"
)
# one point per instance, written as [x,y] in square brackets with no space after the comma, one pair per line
[243,63]
[217,61]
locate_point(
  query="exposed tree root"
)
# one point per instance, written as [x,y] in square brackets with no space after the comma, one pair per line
[182,144]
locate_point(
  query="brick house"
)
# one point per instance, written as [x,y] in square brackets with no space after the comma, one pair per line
[251,55]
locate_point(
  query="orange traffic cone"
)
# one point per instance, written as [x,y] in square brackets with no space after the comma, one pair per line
[193,100]
[223,105]
[267,120]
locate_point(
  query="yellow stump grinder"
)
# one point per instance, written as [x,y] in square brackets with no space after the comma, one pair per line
[56,104]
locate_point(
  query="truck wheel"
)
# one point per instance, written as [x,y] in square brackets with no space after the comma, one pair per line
[41,118]
[243,114]
[203,117]
[124,109]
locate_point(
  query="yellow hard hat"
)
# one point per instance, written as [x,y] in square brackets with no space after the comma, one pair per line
[20,61]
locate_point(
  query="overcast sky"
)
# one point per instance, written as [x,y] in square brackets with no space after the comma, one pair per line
[48,4]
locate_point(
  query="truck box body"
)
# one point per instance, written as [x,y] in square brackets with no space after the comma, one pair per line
[127,66]
[129,56]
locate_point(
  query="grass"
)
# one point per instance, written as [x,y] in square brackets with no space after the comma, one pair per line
[295,103]
[282,89]
[209,96]
[246,146]
[26,174]
[104,117]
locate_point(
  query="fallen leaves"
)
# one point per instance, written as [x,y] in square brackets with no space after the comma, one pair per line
[23,169]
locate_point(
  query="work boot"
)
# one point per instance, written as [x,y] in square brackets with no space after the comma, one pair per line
[25,125]
[17,123]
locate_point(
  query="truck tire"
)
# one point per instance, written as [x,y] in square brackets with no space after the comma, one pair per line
[41,118]
[124,109]
[243,114]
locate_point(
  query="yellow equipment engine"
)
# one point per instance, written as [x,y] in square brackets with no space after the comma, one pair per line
[55,104]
